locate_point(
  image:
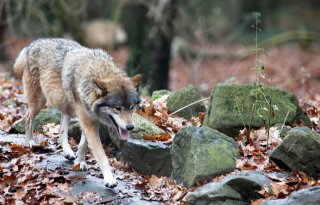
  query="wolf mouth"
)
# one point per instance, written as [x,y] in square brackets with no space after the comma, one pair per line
[123,134]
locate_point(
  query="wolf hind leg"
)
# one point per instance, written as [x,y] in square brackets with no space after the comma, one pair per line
[30,116]
[35,98]
[64,125]
[36,101]
[81,153]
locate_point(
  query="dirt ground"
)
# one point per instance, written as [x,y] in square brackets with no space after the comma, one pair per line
[290,67]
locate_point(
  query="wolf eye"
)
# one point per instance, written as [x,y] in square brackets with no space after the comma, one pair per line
[132,107]
[118,109]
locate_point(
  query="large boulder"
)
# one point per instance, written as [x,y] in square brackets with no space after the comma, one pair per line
[299,150]
[231,105]
[239,188]
[44,117]
[306,196]
[184,97]
[201,153]
[149,158]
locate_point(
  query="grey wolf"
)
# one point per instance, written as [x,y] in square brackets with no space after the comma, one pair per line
[83,83]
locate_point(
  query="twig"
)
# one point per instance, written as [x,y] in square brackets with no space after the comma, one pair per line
[188,106]
[283,123]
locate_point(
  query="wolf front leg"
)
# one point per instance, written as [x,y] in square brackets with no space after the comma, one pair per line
[64,125]
[90,128]
[81,153]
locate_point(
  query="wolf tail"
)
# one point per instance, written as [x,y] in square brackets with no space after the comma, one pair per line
[20,64]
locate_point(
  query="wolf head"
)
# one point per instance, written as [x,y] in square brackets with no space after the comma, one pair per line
[116,101]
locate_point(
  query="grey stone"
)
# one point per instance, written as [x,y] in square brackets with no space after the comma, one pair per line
[159,93]
[299,151]
[44,117]
[184,97]
[75,132]
[142,127]
[148,157]
[239,188]
[308,196]
[201,153]
[231,105]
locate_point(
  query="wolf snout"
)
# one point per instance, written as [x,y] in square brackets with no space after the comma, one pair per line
[130,127]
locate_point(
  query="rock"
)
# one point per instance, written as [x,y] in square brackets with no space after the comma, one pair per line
[309,195]
[159,93]
[75,129]
[239,188]
[230,107]
[148,157]
[184,97]
[201,153]
[44,117]
[142,127]
[299,151]
[75,132]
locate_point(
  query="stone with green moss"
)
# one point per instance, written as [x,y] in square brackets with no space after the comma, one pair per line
[201,153]
[159,93]
[299,150]
[44,117]
[143,127]
[184,97]
[235,106]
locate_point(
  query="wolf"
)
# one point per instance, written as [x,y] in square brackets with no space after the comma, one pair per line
[83,83]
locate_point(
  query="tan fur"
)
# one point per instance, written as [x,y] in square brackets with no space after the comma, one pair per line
[79,82]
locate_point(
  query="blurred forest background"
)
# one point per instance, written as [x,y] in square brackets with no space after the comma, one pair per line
[174,43]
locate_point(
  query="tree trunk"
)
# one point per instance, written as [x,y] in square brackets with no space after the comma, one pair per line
[157,53]
[3,26]
[149,40]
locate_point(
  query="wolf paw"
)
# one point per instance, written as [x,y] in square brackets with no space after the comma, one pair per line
[30,143]
[83,165]
[111,182]
[69,156]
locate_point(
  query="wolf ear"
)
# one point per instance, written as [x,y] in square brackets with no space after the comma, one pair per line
[136,80]
[100,87]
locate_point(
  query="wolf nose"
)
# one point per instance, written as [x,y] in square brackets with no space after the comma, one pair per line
[130,127]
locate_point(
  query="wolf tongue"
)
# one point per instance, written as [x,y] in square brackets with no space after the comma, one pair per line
[123,134]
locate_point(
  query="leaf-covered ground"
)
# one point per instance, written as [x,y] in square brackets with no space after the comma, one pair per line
[22,181]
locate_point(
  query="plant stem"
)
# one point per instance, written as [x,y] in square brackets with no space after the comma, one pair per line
[188,106]
[256,50]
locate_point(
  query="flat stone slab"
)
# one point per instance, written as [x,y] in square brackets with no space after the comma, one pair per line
[309,196]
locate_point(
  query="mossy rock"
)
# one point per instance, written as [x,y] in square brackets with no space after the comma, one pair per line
[235,106]
[299,150]
[200,153]
[184,97]
[159,93]
[44,117]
